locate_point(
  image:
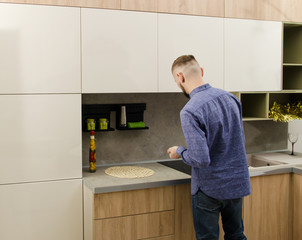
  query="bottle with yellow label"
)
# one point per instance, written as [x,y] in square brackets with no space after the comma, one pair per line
[92,153]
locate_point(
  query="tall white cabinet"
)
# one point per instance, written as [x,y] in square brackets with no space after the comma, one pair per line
[41,210]
[253,55]
[39,48]
[40,124]
[119,51]
[40,137]
[181,35]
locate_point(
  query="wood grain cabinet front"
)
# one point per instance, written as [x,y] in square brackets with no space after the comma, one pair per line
[116,204]
[139,5]
[129,215]
[297,207]
[194,7]
[132,227]
[267,211]
[276,10]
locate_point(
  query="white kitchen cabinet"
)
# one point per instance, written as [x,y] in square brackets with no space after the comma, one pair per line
[41,137]
[119,51]
[253,55]
[40,49]
[181,35]
[45,210]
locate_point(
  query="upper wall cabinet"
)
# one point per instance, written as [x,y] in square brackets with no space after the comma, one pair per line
[200,36]
[40,49]
[40,137]
[253,55]
[119,51]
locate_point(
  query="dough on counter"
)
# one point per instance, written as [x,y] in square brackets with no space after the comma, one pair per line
[129,172]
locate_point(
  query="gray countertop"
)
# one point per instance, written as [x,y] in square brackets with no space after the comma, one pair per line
[290,164]
[100,182]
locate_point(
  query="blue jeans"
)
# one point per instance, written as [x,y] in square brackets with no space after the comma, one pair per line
[206,217]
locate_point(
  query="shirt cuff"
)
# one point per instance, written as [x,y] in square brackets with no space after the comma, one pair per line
[180,150]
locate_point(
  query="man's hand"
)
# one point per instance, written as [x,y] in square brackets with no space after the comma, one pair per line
[172,152]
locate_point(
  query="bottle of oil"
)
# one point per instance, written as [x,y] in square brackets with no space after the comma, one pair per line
[92,153]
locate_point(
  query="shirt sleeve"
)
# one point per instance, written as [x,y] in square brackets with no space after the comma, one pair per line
[197,153]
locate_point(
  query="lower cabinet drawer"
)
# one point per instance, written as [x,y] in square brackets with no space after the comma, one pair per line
[171,237]
[125,203]
[135,227]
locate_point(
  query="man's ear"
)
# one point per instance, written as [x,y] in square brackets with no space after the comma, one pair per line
[181,77]
[201,71]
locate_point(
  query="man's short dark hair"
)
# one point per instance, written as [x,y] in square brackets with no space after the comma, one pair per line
[182,60]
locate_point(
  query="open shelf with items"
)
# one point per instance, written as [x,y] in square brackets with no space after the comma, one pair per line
[96,113]
[292,56]
[256,105]
[134,114]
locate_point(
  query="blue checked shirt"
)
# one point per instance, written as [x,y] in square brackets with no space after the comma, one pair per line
[212,126]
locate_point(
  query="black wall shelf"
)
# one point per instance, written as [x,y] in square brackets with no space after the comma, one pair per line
[134,113]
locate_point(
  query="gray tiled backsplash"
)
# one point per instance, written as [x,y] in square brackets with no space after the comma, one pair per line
[162,118]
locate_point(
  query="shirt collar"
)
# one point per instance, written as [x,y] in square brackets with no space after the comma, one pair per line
[199,89]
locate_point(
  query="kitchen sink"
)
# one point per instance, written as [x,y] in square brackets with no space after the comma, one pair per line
[256,162]
[178,165]
[253,162]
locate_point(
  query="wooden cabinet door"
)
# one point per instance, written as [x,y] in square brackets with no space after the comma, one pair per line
[253,55]
[266,211]
[277,10]
[171,237]
[135,227]
[182,35]
[194,7]
[139,5]
[184,228]
[40,137]
[40,49]
[44,210]
[119,51]
[297,206]
[125,203]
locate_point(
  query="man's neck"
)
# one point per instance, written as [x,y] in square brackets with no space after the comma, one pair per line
[195,84]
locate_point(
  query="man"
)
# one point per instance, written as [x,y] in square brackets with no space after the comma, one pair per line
[213,129]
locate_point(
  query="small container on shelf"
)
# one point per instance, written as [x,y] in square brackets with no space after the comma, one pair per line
[90,124]
[103,124]
[123,118]
[100,113]
[131,117]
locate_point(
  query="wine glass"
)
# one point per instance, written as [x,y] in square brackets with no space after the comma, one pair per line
[293,138]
